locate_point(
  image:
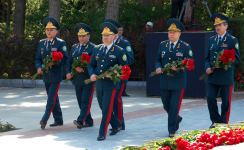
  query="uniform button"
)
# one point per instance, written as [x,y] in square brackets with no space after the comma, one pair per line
[100,70]
[102,60]
[101,65]
[169,58]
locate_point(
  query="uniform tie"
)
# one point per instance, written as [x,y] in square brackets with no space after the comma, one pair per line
[105,50]
[49,45]
[220,40]
[172,47]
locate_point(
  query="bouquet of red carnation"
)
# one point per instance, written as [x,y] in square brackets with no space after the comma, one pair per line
[188,64]
[115,73]
[125,72]
[224,60]
[49,61]
[81,62]
[185,64]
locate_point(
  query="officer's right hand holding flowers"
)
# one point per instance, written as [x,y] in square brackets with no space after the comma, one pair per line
[93,77]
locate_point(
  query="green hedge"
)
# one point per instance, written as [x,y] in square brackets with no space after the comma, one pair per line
[237,29]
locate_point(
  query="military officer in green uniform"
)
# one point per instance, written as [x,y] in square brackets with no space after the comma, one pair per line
[172,86]
[120,89]
[84,92]
[220,80]
[105,56]
[54,75]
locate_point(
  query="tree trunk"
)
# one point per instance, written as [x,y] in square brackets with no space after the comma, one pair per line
[54,9]
[188,12]
[112,9]
[19,20]
[8,16]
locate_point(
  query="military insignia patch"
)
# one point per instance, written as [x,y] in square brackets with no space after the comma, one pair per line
[190,53]
[124,57]
[64,48]
[179,54]
[128,48]
[112,56]
[225,45]
[162,54]
[237,46]
[54,49]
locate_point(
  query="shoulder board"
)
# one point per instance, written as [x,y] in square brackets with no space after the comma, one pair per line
[233,37]
[42,40]
[61,40]
[92,44]
[164,42]
[120,48]
[183,42]
[74,45]
[212,37]
[98,46]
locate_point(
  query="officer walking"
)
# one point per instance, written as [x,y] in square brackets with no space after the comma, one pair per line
[172,86]
[106,55]
[220,81]
[84,92]
[120,89]
[54,75]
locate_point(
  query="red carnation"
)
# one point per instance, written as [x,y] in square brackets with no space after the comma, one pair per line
[189,64]
[57,56]
[85,58]
[227,56]
[125,72]
[166,148]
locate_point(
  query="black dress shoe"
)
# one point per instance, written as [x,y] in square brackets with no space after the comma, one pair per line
[56,124]
[85,125]
[78,124]
[114,131]
[212,125]
[43,124]
[178,122]
[125,94]
[171,135]
[100,138]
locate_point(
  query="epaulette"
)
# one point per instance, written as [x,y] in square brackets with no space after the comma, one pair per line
[212,37]
[61,40]
[183,42]
[76,44]
[99,46]
[42,40]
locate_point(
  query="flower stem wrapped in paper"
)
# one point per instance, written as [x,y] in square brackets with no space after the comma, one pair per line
[49,61]
[224,60]
[81,62]
[185,64]
[115,73]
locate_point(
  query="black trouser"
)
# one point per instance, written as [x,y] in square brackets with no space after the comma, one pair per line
[172,102]
[225,92]
[106,90]
[84,95]
[53,105]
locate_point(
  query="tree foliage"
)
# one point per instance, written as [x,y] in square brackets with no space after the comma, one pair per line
[133,15]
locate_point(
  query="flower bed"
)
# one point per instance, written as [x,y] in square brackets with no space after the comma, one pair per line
[198,139]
